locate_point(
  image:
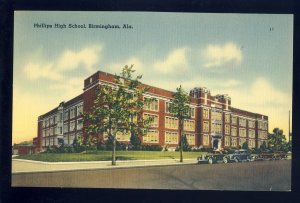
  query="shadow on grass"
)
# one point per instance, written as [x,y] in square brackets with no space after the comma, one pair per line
[172,157]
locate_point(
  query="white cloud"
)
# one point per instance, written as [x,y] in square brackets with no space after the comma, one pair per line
[88,57]
[175,62]
[262,97]
[218,55]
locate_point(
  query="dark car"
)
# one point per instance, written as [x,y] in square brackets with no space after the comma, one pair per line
[214,157]
[239,156]
[278,155]
[267,155]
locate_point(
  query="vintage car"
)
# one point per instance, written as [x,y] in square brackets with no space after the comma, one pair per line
[255,157]
[278,155]
[267,155]
[239,156]
[214,157]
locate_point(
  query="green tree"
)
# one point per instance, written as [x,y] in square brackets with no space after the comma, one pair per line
[135,141]
[277,140]
[179,108]
[118,109]
[185,144]
[245,145]
[263,146]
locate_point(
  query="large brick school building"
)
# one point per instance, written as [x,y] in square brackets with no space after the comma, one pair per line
[214,123]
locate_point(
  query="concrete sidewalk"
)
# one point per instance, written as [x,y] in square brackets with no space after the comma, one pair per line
[27,166]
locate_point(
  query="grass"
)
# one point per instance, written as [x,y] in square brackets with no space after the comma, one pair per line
[106,156]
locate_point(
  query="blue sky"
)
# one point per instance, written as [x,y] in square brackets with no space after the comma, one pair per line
[248,56]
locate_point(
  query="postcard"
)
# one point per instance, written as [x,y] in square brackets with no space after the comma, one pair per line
[152,100]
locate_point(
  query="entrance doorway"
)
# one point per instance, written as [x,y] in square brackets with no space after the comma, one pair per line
[215,144]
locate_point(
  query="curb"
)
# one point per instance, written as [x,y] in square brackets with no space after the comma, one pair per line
[102,168]
[97,162]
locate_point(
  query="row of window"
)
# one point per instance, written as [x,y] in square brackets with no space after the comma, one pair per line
[57,130]
[262,125]
[69,127]
[153,106]
[233,142]
[152,136]
[67,139]
[70,113]
[73,112]
[215,115]
[171,122]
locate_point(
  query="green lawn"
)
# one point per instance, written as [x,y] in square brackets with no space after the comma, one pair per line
[106,156]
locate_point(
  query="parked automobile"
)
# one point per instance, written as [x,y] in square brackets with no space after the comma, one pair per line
[255,157]
[239,156]
[214,157]
[267,155]
[278,155]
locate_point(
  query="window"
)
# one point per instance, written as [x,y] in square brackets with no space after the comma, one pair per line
[155,120]
[171,122]
[205,113]
[151,137]
[242,141]
[66,127]
[44,123]
[242,122]
[190,138]
[71,138]
[72,113]
[66,115]
[79,109]
[227,118]
[171,137]
[216,128]
[262,134]
[233,131]
[123,136]
[227,141]
[233,142]
[44,133]
[227,129]
[265,126]
[55,119]
[152,106]
[251,124]
[72,125]
[205,126]
[260,125]
[60,116]
[192,112]
[51,131]
[47,132]
[216,115]
[251,133]
[251,143]
[51,120]
[205,140]
[233,120]
[189,125]
[242,132]
[79,124]
[167,107]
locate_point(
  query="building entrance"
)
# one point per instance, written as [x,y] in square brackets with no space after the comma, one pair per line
[215,144]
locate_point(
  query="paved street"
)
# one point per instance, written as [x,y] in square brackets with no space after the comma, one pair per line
[259,176]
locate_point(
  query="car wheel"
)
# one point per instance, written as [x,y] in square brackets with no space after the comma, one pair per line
[210,161]
[225,160]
